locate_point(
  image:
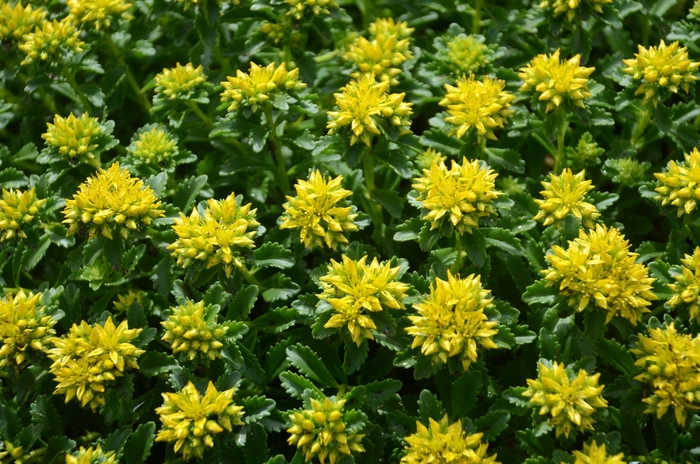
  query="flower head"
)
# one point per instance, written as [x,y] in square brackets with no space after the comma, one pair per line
[99,13]
[694,12]
[50,40]
[443,443]
[92,456]
[661,69]
[19,20]
[464,194]
[686,290]
[74,138]
[429,157]
[566,194]
[179,82]
[387,26]
[156,148]
[365,105]
[124,302]
[24,327]
[626,171]
[355,290]
[256,87]
[274,31]
[192,329]
[112,201]
[679,186]
[568,398]
[598,268]
[555,81]
[671,364]
[315,7]
[17,454]
[451,320]
[326,430]
[468,53]
[191,420]
[88,359]
[571,7]
[585,152]
[18,209]
[220,236]
[320,212]
[482,105]
[594,454]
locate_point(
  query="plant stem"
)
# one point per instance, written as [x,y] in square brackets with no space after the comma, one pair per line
[326,57]
[140,97]
[198,111]
[457,266]
[561,139]
[476,19]
[277,149]
[249,276]
[223,61]
[641,126]
[545,143]
[70,77]
[368,171]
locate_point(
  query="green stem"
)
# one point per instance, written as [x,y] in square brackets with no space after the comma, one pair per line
[476,19]
[277,149]
[561,139]
[646,28]
[457,266]
[138,94]
[326,57]
[545,143]
[223,61]
[198,111]
[641,126]
[249,276]
[375,209]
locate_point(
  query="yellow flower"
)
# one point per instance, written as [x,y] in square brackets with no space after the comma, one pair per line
[363,104]
[482,105]
[88,359]
[16,454]
[177,82]
[694,12]
[468,53]
[451,320]
[124,302]
[429,157]
[323,431]
[687,287]
[319,212]
[92,456]
[222,235]
[570,7]
[387,26]
[671,364]
[442,443]
[556,81]
[659,68]
[112,201]
[259,85]
[464,194]
[99,12]
[316,7]
[586,151]
[51,40]
[594,454]
[679,185]
[73,138]
[598,268]
[191,420]
[24,327]
[19,20]
[154,146]
[569,399]
[274,31]
[192,330]
[566,194]
[353,288]
[17,209]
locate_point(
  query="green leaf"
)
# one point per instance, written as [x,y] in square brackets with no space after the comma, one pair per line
[295,384]
[617,355]
[505,158]
[256,408]
[155,363]
[409,230]
[162,276]
[275,320]
[255,449]
[666,435]
[272,254]
[465,391]
[279,287]
[138,448]
[429,407]
[11,178]
[548,344]
[663,117]
[242,303]
[541,293]
[390,200]
[492,424]
[354,356]
[303,358]
[475,245]
[32,256]
[503,239]
[45,413]
[187,191]
[58,234]
[397,160]
[428,238]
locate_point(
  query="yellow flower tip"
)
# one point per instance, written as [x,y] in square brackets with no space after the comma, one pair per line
[598,268]
[670,362]
[192,330]
[25,329]
[124,302]
[191,419]
[19,20]
[686,290]
[570,399]
[442,442]
[363,105]
[556,81]
[355,290]
[50,40]
[312,7]
[662,69]
[450,321]
[111,202]
[462,194]
[220,237]
[178,82]
[570,8]
[18,212]
[319,211]
[594,454]
[478,104]
[154,146]
[92,456]
[75,138]
[259,85]
[429,157]
[679,186]
[99,13]
[566,194]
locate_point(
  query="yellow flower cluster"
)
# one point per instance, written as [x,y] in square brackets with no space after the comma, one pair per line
[256,87]
[124,302]
[694,12]
[191,420]
[481,104]
[594,454]
[467,53]
[100,13]
[18,208]
[224,232]
[442,443]
[569,400]
[429,157]
[111,201]
[687,287]
[585,152]
[154,146]
[274,31]
[569,7]
[49,40]
[556,81]
[316,7]
[363,103]
[464,194]
[566,194]
[177,82]
[318,211]
[354,287]
[322,431]
[73,137]
[598,268]
[626,171]
[15,453]
[19,20]
[451,320]
[671,364]
[192,330]
[679,186]
[387,26]
[92,456]
[24,327]
[89,358]
[662,67]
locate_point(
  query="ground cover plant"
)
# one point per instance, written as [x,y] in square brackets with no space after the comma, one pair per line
[290,231]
